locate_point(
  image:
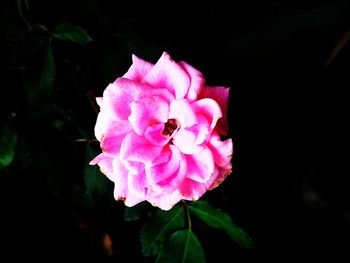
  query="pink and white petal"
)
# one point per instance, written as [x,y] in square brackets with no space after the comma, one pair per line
[166,73]
[138,69]
[183,112]
[166,202]
[147,111]
[120,179]
[222,174]
[201,130]
[132,200]
[200,167]
[102,124]
[111,141]
[221,96]
[105,163]
[138,149]
[197,81]
[209,109]
[192,190]
[222,150]
[186,142]
[138,184]
[173,182]
[99,101]
[158,92]
[154,134]
[160,172]
[116,103]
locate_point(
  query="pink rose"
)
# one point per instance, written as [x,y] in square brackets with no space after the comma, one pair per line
[159,129]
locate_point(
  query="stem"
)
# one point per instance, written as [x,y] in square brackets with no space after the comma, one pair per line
[187,214]
[19,6]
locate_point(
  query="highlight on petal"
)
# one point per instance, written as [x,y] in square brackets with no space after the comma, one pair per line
[182,111]
[221,96]
[135,148]
[166,73]
[185,140]
[138,70]
[111,141]
[200,167]
[138,184]
[197,81]
[222,150]
[209,109]
[148,111]
[120,179]
[105,163]
[154,134]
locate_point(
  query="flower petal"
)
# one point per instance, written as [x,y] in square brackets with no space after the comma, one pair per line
[154,134]
[166,73]
[166,202]
[221,96]
[105,163]
[135,148]
[182,111]
[222,150]
[197,81]
[209,109]
[138,69]
[147,111]
[168,167]
[138,184]
[120,178]
[185,140]
[113,138]
[200,167]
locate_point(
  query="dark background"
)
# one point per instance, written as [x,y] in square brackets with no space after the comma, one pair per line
[287,63]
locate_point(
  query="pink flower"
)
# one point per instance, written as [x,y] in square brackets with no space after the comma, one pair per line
[159,128]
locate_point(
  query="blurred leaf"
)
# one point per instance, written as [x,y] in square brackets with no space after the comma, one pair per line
[67,32]
[40,89]
[8,142]
[81,199]
[221,220]
[183,247]
[136,212]
[159,227]
[96,183]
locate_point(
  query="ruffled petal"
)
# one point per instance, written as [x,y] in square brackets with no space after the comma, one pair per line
[197,81]
[113,138]
[192,190]
[166,202]
[106,165]
[200,167]
[221,96]
[135,148]
[209,109]
[120,178]
[138,69]
[222,150]
[154,134]
[166,73]
[138,184]
[163,170]
[185,140]
[182,111]
[148,111]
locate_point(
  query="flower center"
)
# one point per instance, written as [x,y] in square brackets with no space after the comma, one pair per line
[170,126]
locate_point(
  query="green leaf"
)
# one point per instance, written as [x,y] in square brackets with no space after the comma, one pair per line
[159,227]
[136,212]
[67,32]
[8,142]
[40,88]
[96,183]
[183,247]
[221,220]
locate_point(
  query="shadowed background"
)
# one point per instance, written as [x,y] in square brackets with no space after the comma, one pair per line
[287,63]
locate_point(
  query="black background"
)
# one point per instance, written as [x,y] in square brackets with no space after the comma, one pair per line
[288,114]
